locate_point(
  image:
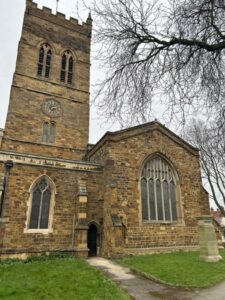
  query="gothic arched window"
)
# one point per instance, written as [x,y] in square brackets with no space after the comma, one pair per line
[40,205]
[158,191]
[44,61]
[67,64]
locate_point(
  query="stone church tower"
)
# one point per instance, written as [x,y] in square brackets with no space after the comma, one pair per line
[49,104]
[137,190]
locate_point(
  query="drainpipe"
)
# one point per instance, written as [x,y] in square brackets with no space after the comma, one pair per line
[8,167]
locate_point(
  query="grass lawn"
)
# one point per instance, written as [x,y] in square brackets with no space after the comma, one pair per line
[181,268]
[65,278]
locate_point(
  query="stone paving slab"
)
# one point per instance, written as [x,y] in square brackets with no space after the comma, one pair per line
[141,288]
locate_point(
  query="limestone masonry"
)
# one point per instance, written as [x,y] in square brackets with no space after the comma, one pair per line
[137,190]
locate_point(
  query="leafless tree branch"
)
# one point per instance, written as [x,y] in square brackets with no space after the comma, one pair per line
[212,157]
[169,52]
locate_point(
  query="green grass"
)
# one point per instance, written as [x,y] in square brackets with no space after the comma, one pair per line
[52,279]
[181,268]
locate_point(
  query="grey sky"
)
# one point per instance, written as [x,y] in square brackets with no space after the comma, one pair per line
[11,18]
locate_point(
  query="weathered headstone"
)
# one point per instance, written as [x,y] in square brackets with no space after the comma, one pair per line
[207,240]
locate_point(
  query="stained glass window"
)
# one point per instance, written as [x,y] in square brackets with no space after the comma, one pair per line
[158,191]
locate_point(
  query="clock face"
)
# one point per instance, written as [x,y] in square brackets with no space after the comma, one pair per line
[52,108]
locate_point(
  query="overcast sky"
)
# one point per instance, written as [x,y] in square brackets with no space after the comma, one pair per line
[11,19]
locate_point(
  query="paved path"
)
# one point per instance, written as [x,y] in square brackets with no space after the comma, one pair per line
[141,288]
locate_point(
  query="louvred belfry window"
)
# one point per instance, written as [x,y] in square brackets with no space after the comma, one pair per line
[41,197]
[158,191]
[48,63]
[67,66]
[44,61]
[40,61]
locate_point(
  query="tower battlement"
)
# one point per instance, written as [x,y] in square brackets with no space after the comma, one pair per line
[58,18]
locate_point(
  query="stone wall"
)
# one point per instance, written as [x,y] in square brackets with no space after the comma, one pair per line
[66,178]
[25,118]
[123,154]
[112,175]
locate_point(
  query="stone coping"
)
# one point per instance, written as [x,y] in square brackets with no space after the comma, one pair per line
[139,129]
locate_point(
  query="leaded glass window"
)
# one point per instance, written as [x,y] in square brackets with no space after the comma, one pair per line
[41,197]
[44,61]
[158,191]
[67,64]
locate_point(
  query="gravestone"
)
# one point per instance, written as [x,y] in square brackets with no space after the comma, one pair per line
[207,240]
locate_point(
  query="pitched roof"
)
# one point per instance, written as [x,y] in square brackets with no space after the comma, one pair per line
[136,130]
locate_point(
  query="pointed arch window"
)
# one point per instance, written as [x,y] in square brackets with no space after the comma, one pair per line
[67,67]
[40,206]
[44,61]
[49,132]
[158,191]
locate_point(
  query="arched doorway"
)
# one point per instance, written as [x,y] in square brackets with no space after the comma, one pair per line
[92,240]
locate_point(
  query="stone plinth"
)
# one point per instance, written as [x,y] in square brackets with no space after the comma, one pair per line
[2,231]
[207,240]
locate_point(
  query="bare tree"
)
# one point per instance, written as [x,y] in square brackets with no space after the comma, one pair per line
[212,158]
[170,52]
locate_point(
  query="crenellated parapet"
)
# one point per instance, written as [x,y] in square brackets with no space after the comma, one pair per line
[58,18]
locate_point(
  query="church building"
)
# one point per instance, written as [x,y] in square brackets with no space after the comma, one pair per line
[135,191]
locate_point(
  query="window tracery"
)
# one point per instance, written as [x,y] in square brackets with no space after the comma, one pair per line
[40,207]
[158,191]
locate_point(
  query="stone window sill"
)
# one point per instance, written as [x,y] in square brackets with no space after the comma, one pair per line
[42,231]
[161,223]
